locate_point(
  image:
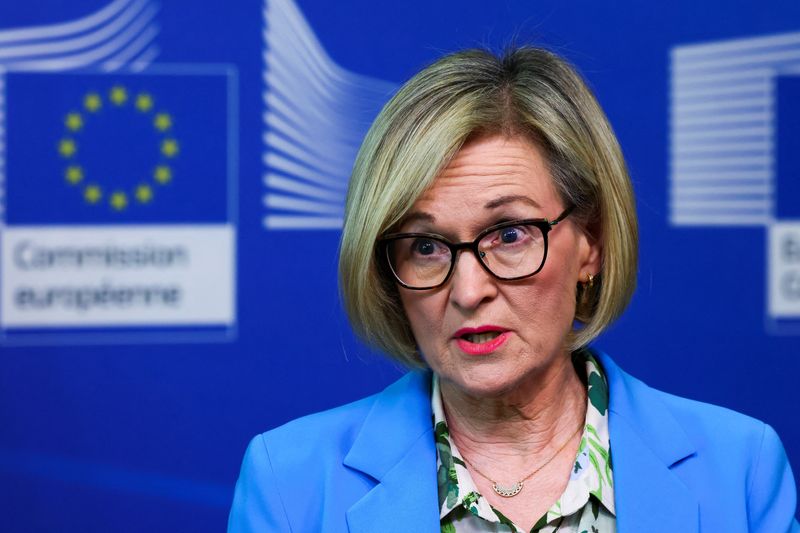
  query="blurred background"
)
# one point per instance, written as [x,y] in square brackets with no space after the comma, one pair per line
[172,178]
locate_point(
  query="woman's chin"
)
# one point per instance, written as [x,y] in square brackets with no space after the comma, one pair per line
[482,386]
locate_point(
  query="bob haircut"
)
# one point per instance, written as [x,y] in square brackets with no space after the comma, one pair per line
[527,92]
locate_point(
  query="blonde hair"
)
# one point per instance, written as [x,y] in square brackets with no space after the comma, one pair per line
[526,91]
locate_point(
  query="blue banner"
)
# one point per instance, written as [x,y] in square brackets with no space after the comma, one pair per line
[172,187]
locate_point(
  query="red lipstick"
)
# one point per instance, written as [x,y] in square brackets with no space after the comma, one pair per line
[480,348]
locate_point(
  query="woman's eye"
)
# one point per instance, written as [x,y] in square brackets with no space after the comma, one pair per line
[425,246]
[512,235]
[509,235]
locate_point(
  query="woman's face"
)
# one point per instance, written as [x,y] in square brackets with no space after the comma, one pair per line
[491,180]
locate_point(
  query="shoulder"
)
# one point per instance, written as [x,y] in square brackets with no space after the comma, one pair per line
[703,423]
[339,426]
[739,456]
[713,423]
[296,473]
[730,461]
[280,464]
[732,444]
[300,440]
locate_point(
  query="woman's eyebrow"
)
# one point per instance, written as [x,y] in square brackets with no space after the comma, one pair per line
[418,216]
[510,198]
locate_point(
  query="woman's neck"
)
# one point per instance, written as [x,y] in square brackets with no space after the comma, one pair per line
[530,420]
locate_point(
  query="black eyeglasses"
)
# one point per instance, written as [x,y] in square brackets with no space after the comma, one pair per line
[508,251]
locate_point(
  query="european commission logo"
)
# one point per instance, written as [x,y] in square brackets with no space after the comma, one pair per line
[119,189]
[734,158]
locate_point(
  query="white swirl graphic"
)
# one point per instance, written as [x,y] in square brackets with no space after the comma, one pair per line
[316,114]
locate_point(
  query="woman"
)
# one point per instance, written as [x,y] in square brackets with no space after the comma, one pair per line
[490,235]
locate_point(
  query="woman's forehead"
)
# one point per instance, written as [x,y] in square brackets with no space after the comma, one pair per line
[486,171]
[496,154]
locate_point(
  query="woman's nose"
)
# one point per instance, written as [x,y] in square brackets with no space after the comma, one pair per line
[471,284]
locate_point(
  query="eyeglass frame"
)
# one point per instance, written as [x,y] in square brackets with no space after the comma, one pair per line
[543,224]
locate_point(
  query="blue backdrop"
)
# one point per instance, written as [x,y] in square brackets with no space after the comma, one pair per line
[139,423]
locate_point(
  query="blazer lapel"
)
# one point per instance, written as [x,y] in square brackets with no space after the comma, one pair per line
[395,446]
[646,441]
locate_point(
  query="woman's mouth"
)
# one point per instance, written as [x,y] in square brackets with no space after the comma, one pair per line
[480,338]
[480,341]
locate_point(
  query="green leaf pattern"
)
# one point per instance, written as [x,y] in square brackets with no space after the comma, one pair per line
[587,503]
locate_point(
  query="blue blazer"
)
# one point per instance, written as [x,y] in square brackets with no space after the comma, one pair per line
[679,466]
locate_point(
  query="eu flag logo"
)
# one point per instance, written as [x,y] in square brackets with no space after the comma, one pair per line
[89,148]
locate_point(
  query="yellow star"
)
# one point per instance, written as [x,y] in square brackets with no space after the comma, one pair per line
[144,102]
[118,95]
[119,200]
[92,102]
[169,147]
[92,194]
[74,174]
[67,148]
[74,121]
[144,194]
[163,174]
[162,122]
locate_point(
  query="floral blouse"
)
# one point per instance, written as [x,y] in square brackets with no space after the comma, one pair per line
[587,504]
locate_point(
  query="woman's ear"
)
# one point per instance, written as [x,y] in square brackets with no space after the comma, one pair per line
[591,251]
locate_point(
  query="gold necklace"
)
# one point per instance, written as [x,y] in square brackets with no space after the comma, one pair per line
[509,491]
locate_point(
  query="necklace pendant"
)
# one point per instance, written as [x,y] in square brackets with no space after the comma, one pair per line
[507,491]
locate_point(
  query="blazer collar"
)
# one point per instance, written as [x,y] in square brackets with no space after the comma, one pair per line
[646,442]
[395,446]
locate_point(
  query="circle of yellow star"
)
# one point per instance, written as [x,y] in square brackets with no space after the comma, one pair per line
[74,121]
[119,200]
[163,174]
[144,102]
[162,122]
[74,174]
[118,95]
[92,102]
[144,194]
[67,148]
[92,194]
[169,147]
